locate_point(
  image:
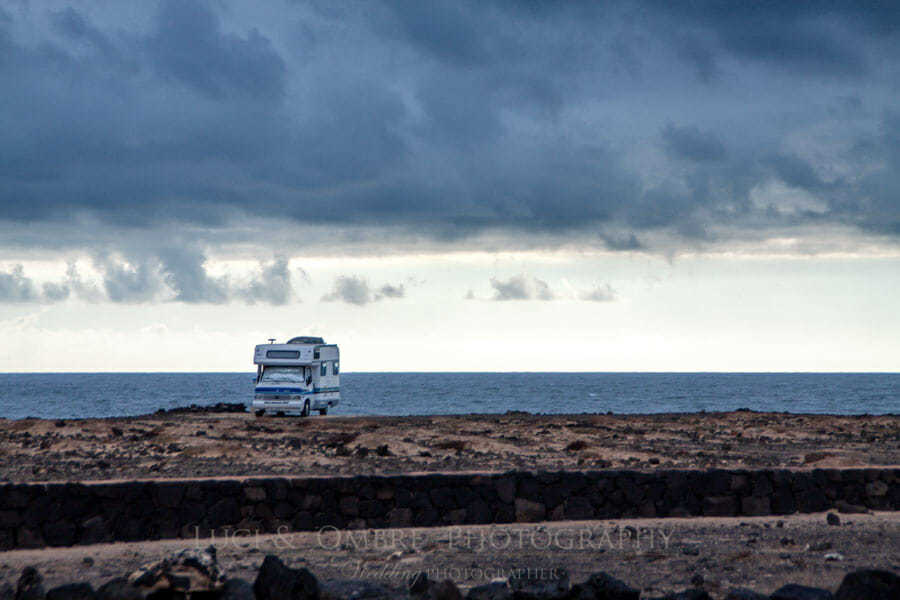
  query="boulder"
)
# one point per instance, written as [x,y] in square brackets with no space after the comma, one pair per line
[95,530]
[506,489]
[224,512]
[869,584]
[169,495]
[29,537]
[353,589]
[832,519]
[876,489]
[400,517]
[792,591]
[720,506]
[689,594]
[601,586]
[237,589]
[276,581]
[119,589]
[30,585]
[495,590]
[349,506]
[755,506]
[444,590]
[255,493]
[529,511]
[60,533]
[578,508]
[420,587]
[539,584]
[479,512]
[744,594]
[72,591]
[10,518]
[186,572]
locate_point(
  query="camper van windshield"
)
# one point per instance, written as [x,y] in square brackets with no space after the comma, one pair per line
[282,375]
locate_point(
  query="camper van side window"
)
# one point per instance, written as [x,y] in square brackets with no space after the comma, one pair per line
[334,368]
[324,370]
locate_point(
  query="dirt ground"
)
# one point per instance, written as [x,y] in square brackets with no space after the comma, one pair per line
[655,555]
[204,445]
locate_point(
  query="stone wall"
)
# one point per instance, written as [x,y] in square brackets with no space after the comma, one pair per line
[62,514]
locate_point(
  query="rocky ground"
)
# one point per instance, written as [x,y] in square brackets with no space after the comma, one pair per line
[198,444]
[655,556]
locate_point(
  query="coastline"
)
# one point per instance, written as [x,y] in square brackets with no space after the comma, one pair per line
[715,553]
[180,444]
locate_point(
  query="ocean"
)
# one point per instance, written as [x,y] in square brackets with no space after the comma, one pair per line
[79,395]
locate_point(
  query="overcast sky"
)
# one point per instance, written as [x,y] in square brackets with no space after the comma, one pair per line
[451,185]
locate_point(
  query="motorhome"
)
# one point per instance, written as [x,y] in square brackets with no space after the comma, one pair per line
[296,377]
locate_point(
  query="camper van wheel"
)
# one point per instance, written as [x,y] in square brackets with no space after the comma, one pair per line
[323,411]
[305,412]
[260,412]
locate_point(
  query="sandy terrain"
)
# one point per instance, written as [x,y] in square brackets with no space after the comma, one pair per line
[762,553]
[197,445]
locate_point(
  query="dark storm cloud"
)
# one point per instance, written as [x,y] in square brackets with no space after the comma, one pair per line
[189,46]
[542,123]
[356,290]
[692,144]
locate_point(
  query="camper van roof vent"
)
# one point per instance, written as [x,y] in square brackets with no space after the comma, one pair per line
[306,340]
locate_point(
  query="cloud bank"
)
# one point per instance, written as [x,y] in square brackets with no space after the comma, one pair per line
[653,126]
[173,276]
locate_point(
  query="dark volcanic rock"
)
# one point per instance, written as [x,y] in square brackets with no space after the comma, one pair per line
[869,584]
[30,585]
[224,512]
[119,589]
[95,530]
[601,586]
[689,594]
[189,571]
[72,591]
[744,594]
[275,581]
[832,519]
[237,589]
[720,506]
[352,589]
[540,584]
[422,588]
[792,591]
[496,590]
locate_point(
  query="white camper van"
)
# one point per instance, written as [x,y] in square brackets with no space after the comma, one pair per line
[297,377]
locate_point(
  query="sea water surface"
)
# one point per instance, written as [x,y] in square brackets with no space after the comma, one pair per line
[79,395]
